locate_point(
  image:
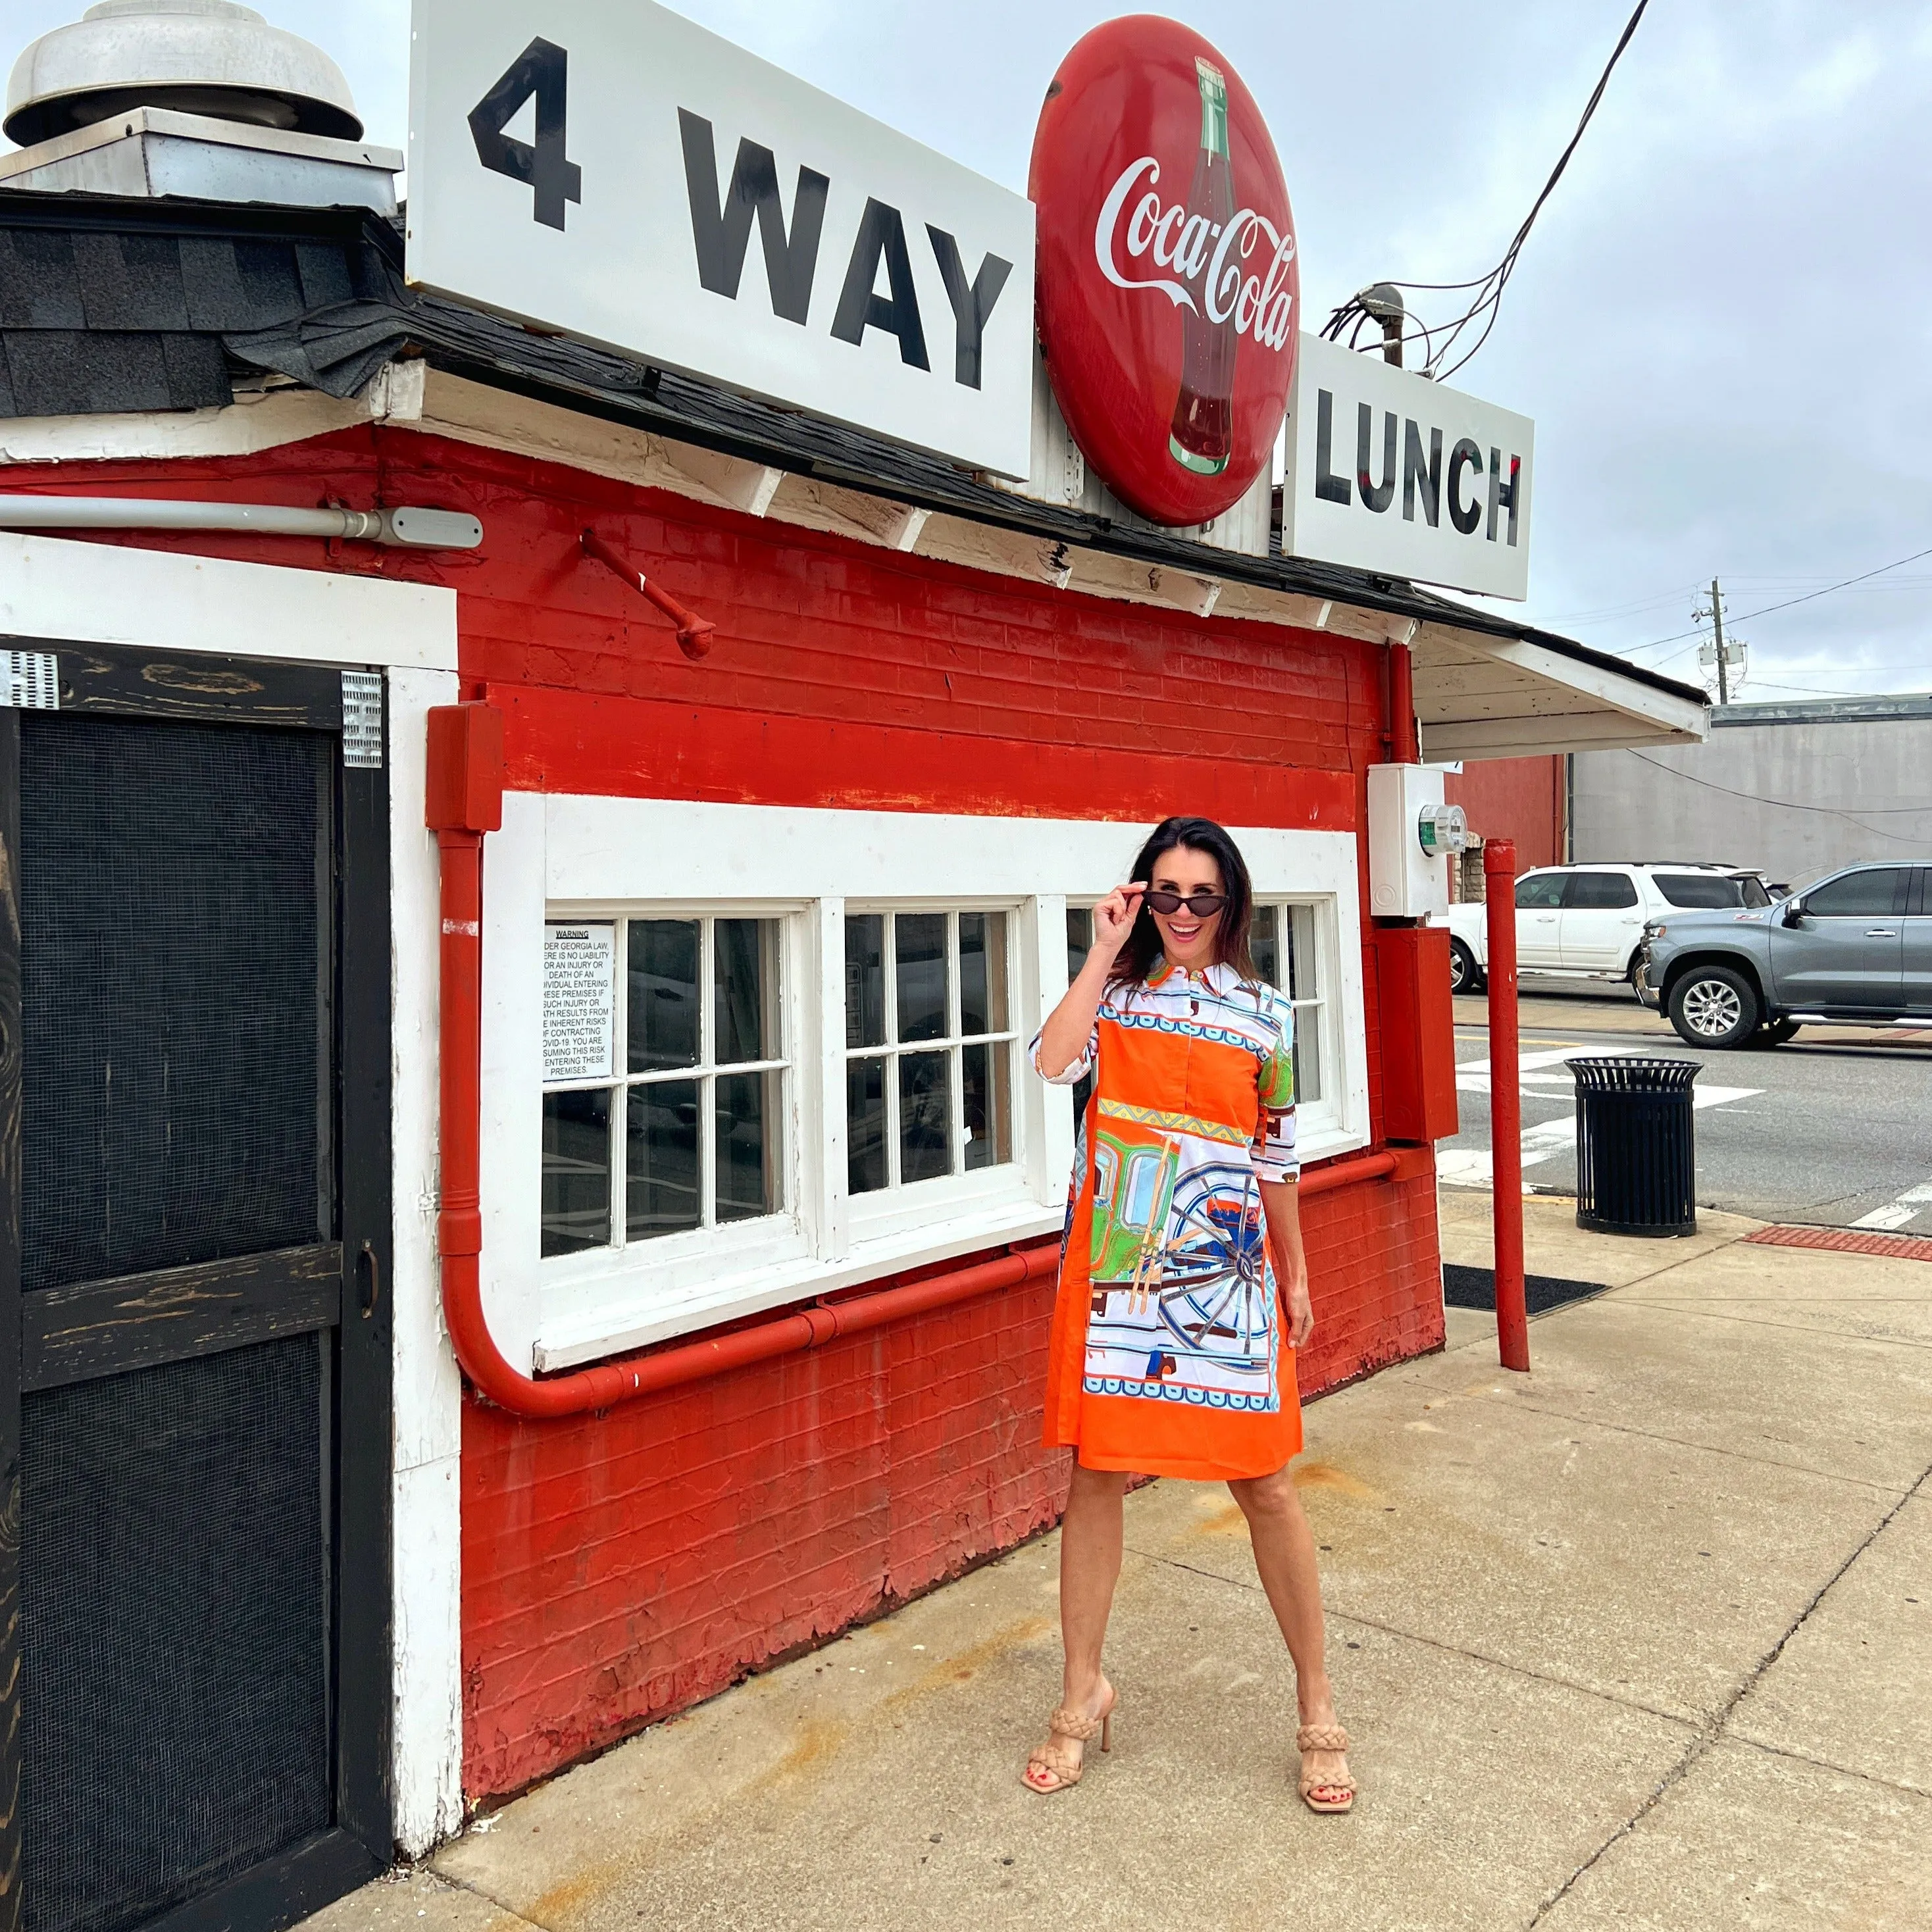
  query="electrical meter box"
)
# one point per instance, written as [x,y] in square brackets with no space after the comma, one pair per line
[1413,834]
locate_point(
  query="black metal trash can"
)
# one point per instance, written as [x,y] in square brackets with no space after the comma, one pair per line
[1636,1153]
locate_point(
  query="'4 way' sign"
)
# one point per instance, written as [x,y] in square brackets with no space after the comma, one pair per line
[616,220]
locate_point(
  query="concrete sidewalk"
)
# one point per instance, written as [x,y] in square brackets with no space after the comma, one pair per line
[1643,1639]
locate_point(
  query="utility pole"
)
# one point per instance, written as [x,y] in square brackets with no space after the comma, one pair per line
[1718,631]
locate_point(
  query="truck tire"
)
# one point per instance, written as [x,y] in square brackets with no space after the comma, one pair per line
[1714,1005]
[1465,975]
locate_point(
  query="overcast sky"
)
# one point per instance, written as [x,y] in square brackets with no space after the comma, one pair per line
[1716,324]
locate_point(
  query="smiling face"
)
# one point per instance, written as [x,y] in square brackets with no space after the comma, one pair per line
[1185,940]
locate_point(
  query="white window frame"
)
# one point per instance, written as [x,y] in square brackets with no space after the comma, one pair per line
[773,1235]
[901,1206]
[1323,1117]
[563,857]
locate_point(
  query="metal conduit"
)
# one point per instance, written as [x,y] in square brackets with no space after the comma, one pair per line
[408,527]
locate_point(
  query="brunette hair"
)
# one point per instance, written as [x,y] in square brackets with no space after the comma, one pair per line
[1136,959]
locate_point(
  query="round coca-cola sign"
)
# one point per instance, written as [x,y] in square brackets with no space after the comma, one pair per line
[1168,294]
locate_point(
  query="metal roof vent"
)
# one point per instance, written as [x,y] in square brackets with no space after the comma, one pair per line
[209,58]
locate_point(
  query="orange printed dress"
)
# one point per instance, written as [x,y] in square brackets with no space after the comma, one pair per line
[1166,1356]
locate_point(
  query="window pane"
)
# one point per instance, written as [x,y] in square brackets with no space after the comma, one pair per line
[749,1113]
[865,1126]
[1304,983]
[866,980]
[664,994]
[1872,893]
[983,1080]
[575,1209]
[918,948]
[1079,939]
[1606,892]
[661,1158]
[746,993]
[1079,943]
[982,972]
[1263,944]
[925,1115]
[1542,889]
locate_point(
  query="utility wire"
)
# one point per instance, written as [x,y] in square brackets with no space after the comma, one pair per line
[1789,804]
[1489,288]
[1809,596]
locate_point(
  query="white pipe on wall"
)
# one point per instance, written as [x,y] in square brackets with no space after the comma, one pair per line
[412,528]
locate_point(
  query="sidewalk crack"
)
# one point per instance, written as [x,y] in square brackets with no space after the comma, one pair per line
[1714,1728]
[1442,1644]
[488,1897]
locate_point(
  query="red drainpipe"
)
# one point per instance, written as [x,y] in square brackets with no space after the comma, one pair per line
[465,799]
[1404,743]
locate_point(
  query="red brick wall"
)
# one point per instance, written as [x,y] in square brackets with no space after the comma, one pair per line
[616,1567]
[1521,799]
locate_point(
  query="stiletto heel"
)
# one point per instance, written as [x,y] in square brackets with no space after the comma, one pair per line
[1055,1761]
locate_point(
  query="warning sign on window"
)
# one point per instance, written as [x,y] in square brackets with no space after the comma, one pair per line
[579,1002]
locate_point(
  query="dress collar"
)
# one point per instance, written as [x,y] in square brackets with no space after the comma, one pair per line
[1218,979]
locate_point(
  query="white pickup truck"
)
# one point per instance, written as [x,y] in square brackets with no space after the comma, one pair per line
[1586,921]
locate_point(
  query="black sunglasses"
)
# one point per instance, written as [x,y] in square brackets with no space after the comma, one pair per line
[1202,905]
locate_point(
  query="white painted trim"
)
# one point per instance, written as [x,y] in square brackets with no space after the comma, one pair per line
[257,419]
[166,600]
[574,856]
[427,1680]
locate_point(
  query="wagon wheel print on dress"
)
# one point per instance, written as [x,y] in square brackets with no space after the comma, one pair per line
[1214,1288]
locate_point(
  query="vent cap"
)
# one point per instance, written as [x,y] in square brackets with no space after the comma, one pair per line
[206,57]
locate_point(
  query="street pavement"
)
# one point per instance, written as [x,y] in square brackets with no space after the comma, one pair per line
[1832,1129]
[1641,1640]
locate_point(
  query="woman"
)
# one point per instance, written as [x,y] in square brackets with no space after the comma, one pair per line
[1165,1357]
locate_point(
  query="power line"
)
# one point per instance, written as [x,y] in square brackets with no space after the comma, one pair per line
[1788,805]
[1809,596]
[1489,288]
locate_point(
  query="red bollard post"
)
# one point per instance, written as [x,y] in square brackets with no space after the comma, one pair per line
[1505,1103]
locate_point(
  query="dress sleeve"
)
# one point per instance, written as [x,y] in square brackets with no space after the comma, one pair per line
[1272,1153]
[1080,1068]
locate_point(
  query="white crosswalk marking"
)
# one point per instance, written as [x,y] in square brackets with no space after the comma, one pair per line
[1474,1167]
[1895,1213]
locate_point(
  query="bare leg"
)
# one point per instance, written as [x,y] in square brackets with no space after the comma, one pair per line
[1089,1566]
[1285,1556]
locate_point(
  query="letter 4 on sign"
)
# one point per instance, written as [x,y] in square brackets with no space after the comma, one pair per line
[602,179]
[543,70]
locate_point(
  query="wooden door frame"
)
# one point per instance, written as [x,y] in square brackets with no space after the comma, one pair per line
[352,1298]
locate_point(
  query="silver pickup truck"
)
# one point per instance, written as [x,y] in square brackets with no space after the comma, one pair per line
[1855,947]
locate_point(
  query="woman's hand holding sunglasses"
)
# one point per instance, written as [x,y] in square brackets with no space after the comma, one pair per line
[1114,918]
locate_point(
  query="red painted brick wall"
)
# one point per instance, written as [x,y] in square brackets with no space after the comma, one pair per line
[616,1567]
[1521,799]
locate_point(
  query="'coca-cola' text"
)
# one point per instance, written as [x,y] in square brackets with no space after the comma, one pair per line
[1208,260]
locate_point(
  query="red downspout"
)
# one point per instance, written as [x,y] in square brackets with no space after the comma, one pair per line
[1505,1104]
[465,800]
[1404,743]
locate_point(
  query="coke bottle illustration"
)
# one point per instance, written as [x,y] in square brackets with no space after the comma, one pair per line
[1202,438]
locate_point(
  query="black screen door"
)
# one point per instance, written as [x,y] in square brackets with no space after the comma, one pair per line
[194,1110]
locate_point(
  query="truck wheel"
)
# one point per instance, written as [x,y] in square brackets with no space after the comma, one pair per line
[1773,1032]
[1712,1005]
[1465,976]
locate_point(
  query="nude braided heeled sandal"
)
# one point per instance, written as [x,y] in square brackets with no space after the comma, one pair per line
[1337,1794]
[1058,1763]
